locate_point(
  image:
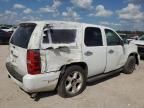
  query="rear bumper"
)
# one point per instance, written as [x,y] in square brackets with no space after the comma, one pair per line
[34,83]
[13,72]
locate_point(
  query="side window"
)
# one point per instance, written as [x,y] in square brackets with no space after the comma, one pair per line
[59,36]
[112,38]
[93,37]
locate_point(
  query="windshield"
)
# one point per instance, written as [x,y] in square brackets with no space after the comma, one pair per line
[141,38]
[60,36]
[22,35]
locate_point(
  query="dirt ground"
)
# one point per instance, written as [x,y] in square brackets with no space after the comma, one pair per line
[120,91]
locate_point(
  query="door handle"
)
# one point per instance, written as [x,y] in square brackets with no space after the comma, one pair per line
[111,51]
[88,53]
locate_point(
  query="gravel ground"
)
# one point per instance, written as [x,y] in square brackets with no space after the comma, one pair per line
[121,91]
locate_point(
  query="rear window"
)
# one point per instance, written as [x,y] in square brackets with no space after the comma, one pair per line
[22,35]
[61,36]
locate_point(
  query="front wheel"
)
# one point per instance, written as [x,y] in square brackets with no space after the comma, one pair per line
[130,65]
[73,82]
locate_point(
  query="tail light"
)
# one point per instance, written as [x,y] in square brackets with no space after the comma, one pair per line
[33,62]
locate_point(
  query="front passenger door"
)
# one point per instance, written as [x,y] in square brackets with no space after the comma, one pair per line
[115,51]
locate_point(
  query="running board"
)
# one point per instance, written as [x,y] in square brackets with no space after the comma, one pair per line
[103,75]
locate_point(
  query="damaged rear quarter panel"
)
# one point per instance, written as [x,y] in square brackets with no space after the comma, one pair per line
[54,59]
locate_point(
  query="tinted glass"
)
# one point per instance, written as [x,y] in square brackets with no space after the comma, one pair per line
[93,37]
[22,35]
[63,35]
[112,38]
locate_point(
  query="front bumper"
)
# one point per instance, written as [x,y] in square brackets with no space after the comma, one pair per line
[34,83]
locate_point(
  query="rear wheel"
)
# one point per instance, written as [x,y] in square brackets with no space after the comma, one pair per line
[130,65]
[73,82]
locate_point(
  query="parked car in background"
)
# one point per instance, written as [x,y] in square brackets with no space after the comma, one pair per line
[4,36]
[140,44]
[7,29]
[63,56]
[141,38]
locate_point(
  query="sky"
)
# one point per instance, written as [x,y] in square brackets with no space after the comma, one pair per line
[118,14]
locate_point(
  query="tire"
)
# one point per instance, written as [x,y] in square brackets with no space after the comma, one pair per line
[130,65]
[73,82]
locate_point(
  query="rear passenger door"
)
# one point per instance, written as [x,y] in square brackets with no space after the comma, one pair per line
[94,52]
[115,51]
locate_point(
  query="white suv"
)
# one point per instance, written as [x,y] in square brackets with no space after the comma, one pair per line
[49,55]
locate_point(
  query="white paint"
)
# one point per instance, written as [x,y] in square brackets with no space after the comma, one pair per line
[62,54]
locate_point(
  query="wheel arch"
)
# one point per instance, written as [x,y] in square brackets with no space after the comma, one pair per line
[63,68]
[83,65]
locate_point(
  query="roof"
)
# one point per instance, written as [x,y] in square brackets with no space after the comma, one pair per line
[63,22]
